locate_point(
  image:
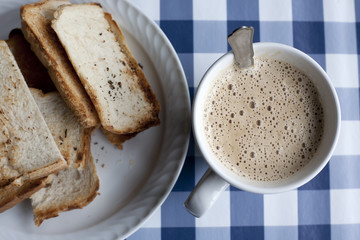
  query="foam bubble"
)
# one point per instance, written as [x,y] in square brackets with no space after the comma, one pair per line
[252,104]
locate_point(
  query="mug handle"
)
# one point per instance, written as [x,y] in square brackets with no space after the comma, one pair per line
[205,194]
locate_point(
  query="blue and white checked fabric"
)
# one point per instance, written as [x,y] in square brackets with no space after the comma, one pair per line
[328,207]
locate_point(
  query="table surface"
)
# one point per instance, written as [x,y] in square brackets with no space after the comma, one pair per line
[328,207]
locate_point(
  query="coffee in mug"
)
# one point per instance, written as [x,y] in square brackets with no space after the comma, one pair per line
[264,122]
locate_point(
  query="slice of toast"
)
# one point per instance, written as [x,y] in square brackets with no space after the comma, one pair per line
[27,148]
[71,138]
[110,74]
[76,186]
[36,26]
[34,72]
[16,191]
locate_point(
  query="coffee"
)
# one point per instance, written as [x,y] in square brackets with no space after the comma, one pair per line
[265,122]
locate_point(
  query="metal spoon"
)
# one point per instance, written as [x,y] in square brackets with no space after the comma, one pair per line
[241,41]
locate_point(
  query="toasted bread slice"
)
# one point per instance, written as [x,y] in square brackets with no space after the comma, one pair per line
[36,76]
[71,138]
[76,186]
[36,26]
[27,148]
[34,72]
[110,74]
[15,192]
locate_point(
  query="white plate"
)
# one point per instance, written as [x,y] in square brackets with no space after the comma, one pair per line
[133,182]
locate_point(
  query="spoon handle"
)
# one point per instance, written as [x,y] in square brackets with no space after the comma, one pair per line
[241,41]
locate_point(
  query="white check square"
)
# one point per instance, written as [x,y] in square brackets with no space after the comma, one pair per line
[281,209]
[209,10]
[343,70]
[339,11]
[275,10]
[344,206]
[202,61]
[349,139]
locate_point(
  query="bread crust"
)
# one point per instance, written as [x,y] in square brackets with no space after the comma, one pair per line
[38,173]
[117,139]
[82,201]
[147,120]
[153,118]
[16,104]
[12,194]
[19,124]
[62,74]
[35,74]
[45,171]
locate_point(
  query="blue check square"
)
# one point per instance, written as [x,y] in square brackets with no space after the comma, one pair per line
[247,209]
[344,172]
[281,232]
[146,234]
[320,59]
[309,36]
[178,233]
[187,62]
[253,233]
[176,9]
[173,213]
[210,37]
[280,32]
[307,10]
[357,10]
[192,143]
[180,34]
[200,168]
[213,233]
[192,92]
[346,96]
[314,232]
[314,207]
[340,37]
[358,34]
[321,181]
[247,10]
[185,181]
[345,231]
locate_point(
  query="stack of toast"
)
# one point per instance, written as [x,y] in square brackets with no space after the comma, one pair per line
[67,72]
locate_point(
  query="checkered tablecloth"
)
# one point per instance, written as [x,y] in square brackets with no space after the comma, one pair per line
[328,207]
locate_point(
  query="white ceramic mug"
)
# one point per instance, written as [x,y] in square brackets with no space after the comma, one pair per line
[218,177]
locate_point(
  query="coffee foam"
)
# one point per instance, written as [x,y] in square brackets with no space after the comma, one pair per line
[264,122]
